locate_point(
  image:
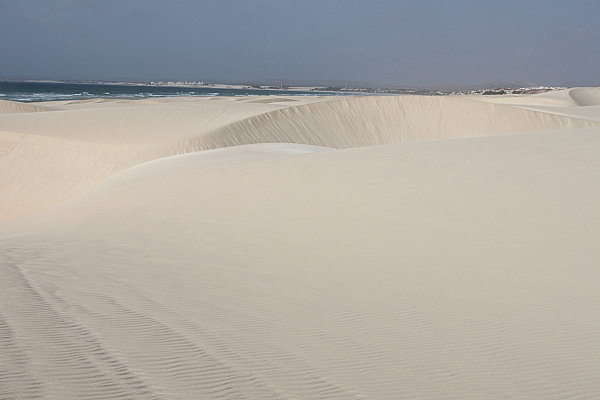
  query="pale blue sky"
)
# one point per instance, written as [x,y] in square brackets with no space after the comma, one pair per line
[413,43]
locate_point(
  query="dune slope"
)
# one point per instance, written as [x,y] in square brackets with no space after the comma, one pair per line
[50,156]
[367,121]
[585,96]
[456,269]
[581,103]
[14,107]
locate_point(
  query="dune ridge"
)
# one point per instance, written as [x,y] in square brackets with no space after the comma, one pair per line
[585,96]
[15,107]
[113,136]
[369,121]
[399,248]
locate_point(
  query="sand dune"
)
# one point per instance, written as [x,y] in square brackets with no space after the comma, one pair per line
[585,96]
[581,103]
[14,107]
[575,97]
[48,157]
[47,149]
[368,121]
[433,248]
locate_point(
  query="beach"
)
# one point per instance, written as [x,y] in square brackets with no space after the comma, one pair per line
[301,247]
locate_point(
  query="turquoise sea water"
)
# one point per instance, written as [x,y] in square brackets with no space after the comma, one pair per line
[48,91]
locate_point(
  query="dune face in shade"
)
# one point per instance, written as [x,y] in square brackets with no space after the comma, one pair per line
[355,248]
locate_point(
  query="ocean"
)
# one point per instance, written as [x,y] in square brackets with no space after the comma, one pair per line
[49,91]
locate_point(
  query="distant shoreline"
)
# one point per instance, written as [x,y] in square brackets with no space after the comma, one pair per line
[47,90]
[486,90]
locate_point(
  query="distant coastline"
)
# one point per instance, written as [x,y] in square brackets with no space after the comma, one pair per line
[36,90]
[46,90]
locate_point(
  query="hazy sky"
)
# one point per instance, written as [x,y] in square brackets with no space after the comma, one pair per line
[420,42]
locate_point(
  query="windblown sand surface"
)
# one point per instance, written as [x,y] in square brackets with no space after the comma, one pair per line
[301,248]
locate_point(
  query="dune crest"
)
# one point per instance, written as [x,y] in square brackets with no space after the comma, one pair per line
[586,96]
[372,120]
[15,107]
[51,156]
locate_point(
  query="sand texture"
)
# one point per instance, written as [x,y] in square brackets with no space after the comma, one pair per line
[301,248]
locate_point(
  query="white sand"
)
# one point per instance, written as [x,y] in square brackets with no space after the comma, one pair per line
[462,268]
